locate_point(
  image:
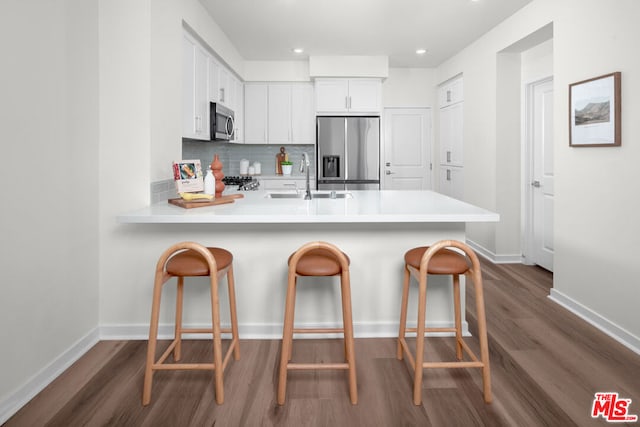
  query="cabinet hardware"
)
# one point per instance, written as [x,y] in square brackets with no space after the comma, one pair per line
[448,174]
[387,164]
[221,94]
[448,95]
[536,184]
[448,156]
[389,172]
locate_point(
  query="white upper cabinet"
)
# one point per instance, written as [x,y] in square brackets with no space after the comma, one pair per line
[255,113]
[214,86]
[195,101]
[451,93]
[206,80]
[348,96]
[279,113]
[302,115]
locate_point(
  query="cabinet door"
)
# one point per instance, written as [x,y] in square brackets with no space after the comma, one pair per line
[223,86]
[332,95]
[195,99]
[279,114]
[451,93]
[201,93]
[214,88]
[188,88]
[282,184]
[302,117]
[255,113]
[451,135]
[238,110]
[452,182]
[365,95]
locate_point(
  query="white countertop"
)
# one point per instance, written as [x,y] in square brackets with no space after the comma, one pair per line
[387,206]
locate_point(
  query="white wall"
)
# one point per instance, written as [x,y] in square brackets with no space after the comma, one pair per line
[595,226]
[274,71]
[49,131]
[409,87]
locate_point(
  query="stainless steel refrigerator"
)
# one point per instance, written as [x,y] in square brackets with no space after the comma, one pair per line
[348,153]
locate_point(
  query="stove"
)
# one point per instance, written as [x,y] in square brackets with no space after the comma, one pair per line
[244,183]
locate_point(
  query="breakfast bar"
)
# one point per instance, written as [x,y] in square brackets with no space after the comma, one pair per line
[262,229]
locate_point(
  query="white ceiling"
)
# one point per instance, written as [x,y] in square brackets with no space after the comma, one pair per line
[269,29]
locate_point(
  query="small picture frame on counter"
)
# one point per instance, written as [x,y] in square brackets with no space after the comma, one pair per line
[187,175]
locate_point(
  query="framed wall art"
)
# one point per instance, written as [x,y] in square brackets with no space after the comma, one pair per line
[594,112]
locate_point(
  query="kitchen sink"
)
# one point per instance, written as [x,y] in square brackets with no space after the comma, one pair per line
[315,195]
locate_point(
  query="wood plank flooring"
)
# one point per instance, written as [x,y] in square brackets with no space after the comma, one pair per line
[546,365]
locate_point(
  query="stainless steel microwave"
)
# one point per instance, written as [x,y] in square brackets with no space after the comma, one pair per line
[222,123]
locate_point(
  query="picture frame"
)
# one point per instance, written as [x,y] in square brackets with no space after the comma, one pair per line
[187,175]
[595,112]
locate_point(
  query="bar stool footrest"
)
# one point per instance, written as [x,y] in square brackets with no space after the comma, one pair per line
[310,366]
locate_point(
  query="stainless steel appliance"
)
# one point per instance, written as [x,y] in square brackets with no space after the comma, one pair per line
[244,183]
[348,153]
[222,123]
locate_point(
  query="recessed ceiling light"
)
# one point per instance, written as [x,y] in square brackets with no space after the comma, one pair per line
[297,50]
[421,51]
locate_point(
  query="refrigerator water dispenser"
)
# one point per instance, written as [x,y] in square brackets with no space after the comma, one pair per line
[331,166]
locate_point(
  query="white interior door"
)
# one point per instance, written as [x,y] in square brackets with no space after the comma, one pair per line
[407,149]
[541,176]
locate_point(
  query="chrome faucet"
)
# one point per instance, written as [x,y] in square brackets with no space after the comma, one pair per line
[305,165]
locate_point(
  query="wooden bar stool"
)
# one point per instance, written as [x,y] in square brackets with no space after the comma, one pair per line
[438,260]
[317,259]
[189,259]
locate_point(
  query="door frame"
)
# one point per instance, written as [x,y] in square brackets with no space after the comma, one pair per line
[528,246]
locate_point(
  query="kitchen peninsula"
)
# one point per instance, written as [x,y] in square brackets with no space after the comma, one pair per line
[374,228]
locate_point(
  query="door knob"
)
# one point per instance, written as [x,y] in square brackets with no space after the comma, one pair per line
[536,184]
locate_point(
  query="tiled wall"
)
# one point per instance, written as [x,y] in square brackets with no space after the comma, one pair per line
[230,156]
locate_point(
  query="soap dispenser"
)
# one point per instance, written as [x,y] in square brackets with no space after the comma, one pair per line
[209,183]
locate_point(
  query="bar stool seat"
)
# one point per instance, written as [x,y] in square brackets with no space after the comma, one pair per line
[189,259]
[190,263]
[439,260]
[317,259]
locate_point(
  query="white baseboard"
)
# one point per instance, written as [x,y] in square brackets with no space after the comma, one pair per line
[493,257]
[269,331]
[19,398]
[614,331]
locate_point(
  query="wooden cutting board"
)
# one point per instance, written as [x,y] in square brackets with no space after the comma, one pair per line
[189,204]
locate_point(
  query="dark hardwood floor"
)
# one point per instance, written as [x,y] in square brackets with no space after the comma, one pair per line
[546,365]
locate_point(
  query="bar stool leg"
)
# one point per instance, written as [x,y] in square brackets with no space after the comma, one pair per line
[233,313]
[153,338]
[348,335]
[422,306]
[457,309]
[217,340]
[287,337]
[403,312]
[177,336]
[482,335]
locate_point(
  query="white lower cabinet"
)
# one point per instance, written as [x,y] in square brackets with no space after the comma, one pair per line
[285,183]
[452,181]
